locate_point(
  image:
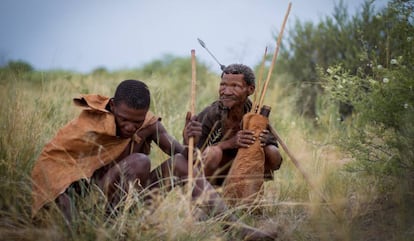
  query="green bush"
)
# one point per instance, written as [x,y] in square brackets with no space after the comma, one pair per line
[381,132]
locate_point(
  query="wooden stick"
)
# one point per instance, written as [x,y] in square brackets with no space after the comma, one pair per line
[192,110]
[279,39]
[301,170]
[254,109]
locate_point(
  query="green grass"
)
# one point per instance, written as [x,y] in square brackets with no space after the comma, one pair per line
[34,105]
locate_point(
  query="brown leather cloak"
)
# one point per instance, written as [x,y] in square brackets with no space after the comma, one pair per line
[79,148]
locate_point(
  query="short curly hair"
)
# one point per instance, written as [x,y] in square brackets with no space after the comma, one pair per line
[134,93]
[245,70]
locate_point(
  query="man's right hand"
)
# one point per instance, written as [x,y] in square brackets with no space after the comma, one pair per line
[245,138]
[242,139]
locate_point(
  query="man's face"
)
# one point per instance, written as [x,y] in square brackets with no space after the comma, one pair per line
[128,120]
[234,90]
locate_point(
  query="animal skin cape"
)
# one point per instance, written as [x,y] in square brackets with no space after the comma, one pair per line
[82,146]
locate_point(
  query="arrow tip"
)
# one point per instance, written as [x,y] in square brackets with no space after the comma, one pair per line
[201,43]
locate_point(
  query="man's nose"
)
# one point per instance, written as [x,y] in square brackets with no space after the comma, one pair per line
[226,91]
[130,127]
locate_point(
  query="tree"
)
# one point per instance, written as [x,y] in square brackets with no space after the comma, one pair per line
[338,39]
[381,134]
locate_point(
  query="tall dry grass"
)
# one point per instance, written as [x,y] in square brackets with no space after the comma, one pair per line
[32,111]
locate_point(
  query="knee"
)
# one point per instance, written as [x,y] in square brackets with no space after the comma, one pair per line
[273,157]
[211,157]
[180,165]
[137,164]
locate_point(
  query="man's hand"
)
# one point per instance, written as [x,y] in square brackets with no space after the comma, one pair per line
[244,138]
[266,138]
[192,129]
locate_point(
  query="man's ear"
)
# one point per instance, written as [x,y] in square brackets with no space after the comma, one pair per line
[250,89]
[111,105]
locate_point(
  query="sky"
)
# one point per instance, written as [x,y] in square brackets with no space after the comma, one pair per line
[82,35]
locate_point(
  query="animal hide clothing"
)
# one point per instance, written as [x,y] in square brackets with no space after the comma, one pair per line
[82,146]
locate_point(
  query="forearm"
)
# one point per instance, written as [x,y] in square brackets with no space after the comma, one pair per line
[177,147]
[224,145]
[168,144]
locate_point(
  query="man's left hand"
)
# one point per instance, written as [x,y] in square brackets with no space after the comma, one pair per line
[266,138]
